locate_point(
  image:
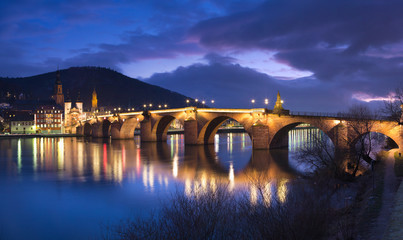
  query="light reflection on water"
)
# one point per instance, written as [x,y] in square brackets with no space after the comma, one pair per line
[74,184]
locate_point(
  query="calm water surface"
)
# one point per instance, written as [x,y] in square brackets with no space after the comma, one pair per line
[66,188]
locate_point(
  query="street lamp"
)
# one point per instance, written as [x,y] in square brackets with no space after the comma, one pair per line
[253,103]
[150,105]
[203,102]
[212,101]
[266,101]
[144,105]
[165,106]
[187,102]
[159,106]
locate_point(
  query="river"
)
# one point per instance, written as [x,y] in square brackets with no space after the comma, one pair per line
[68,188]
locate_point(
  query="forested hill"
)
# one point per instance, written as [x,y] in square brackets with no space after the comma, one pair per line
[113,88]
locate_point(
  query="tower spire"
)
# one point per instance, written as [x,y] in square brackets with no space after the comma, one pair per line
[58,92]
[94,100]
[279,102]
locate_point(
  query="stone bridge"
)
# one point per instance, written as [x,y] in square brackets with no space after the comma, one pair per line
[266,129]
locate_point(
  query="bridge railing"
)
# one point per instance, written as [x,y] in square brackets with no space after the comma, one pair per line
[338,115]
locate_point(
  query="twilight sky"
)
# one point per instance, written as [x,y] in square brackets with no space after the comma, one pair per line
[321,55]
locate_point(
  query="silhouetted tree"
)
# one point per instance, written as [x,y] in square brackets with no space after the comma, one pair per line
[392,107]
[360,127]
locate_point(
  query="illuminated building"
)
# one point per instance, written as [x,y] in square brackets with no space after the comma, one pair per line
[22,123]
[73,115]
[49,119]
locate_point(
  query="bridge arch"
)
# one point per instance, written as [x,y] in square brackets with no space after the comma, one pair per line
[385,133]
[280,137]
[210,129]
[87,129]
[160,129]
[106,128]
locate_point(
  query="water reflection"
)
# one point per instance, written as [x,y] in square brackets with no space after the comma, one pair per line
[116,161]
[119,175]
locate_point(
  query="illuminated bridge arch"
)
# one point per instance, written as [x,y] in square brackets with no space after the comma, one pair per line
[210,129]
[160,128]
[279,135]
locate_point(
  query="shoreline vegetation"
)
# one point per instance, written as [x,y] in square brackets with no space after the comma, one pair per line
[318,207]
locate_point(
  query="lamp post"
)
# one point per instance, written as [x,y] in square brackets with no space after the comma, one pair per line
[266,102]
[203,102]
[187,102]
[253,103]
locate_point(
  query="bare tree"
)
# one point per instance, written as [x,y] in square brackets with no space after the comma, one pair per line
[392,107]
[319,155]
[361,139]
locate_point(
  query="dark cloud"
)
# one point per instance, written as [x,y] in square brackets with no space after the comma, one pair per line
[292,24]
[213,58]
[356,44]
[233,85]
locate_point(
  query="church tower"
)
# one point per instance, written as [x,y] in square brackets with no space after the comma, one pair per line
[94,105]
[58,91]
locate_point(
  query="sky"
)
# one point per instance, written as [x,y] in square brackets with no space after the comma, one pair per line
[323,56]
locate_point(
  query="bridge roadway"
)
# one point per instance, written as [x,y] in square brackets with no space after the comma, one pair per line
[266,129]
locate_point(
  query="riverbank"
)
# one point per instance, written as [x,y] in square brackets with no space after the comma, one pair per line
[54,135]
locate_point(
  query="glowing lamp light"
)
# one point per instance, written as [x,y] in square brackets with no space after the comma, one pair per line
[282,101]
[165,106]
[212,101]
[203,102]
[144,105]
[150,105]
[119,109]
[159,106]
[252,101]
[187,101]
[196,100]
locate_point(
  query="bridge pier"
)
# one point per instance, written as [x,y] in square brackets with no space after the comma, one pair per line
[146,131]
[190,131]
[115,130]
[97,130]
[80,130]
[260,136]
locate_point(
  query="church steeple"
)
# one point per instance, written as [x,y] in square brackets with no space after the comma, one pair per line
[58,90]
[94,100]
